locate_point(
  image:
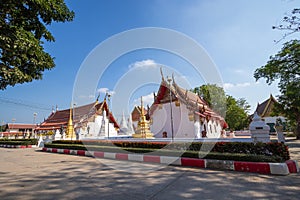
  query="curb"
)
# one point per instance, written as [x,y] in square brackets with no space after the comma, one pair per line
[17,146]
[286,168]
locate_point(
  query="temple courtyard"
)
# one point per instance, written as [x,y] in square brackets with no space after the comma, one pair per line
[32,174]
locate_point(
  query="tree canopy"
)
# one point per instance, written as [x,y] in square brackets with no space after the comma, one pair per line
[23,27]
[285,67]
[214,96]
[290,23]
[235,111]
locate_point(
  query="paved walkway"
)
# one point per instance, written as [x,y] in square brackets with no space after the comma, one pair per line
[31,174]
[294,149]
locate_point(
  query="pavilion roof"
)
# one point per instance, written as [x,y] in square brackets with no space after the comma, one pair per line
[81,115]
[20,126]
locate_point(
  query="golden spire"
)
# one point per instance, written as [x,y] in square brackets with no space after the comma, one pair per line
[70,128]
[143,128]
[142,107]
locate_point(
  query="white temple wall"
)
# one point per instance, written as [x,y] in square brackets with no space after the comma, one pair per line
[183,127]
[161,121]
[94,128]
[273,119]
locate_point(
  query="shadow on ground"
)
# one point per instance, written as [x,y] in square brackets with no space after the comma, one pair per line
[33,174]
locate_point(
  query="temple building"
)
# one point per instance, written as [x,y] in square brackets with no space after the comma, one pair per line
[17,130]
[89,121]
[179,113]
[265,111]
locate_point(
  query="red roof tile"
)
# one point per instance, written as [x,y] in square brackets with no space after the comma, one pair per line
[80,114]
[21,126]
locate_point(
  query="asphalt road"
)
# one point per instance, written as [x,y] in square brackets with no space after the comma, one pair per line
[32,174]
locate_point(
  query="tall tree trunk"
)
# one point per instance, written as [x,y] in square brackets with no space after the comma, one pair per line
[298,129]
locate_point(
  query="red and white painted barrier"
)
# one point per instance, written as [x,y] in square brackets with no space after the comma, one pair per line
[286,168]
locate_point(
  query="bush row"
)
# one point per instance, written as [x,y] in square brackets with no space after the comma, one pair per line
[266,149]
[19,141]
[175,153]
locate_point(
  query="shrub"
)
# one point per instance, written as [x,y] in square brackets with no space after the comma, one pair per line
[290,135]
[25,142]
[160,152]
[264,149]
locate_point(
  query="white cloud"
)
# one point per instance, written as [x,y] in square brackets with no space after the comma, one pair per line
[241,71]
[105,90]
[87,97]
[144,64]
[147,100]
[228,86]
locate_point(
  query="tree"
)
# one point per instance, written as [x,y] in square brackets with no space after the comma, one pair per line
[291,23]
[285,67]
[242,103]
[22,31]
[214,96]
[234,111]
[236,115]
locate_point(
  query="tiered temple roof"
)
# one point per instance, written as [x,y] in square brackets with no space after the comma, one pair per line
[81,115]
[265,108]
[179,95]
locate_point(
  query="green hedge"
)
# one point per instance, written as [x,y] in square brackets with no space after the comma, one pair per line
[176,153]
[266,149]
[24,142]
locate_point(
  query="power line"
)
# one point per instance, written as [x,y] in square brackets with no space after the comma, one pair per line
[22,103]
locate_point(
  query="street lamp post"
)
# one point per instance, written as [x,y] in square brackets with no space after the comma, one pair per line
[73,106]
[13,121]
[2,128]
[108,98]
[171,110]
[33,129]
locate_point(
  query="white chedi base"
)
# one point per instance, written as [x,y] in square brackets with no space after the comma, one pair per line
[57,135]
[260,136]
[259,130]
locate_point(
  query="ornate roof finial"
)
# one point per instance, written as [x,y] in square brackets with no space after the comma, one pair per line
[186,94]
[173,78]
[154,95]
[97,100]
[162,75]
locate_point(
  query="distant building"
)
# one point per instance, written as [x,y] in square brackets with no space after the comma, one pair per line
[184,113]
[265,110]
[18,130]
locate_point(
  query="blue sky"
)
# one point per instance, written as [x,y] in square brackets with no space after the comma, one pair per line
[236,34]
